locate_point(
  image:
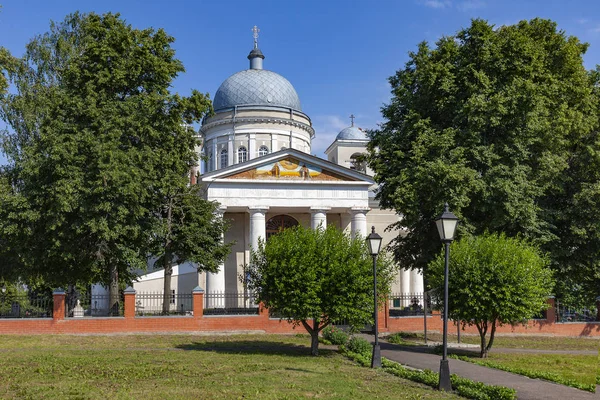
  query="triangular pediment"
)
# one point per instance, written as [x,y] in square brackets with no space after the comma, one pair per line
[288,165]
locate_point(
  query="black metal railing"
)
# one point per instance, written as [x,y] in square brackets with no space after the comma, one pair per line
[153,304]
[97,305]
[575,313]
[25,305]
[409,304]
[228,303]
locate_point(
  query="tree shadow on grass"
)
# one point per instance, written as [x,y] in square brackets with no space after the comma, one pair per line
[263,347]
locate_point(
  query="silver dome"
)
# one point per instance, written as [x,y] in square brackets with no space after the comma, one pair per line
[256,87]
[352,133]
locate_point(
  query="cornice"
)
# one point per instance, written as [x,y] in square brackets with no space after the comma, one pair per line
[264,120]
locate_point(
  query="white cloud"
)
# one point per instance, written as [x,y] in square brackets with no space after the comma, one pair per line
[326,129]
[469,5]
[582,21]
[438,4]
[595,30]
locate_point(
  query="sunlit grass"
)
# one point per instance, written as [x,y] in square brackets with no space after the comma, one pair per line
[189,366]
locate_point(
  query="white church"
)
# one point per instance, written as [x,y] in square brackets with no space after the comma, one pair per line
[259,168]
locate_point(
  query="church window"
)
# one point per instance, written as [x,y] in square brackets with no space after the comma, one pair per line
[242,154]
[223,158]
[263,151]
[279,223]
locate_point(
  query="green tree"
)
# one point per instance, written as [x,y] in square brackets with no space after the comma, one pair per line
[94,130]
[315,277]
[493,280]
[501,123]
[188,229]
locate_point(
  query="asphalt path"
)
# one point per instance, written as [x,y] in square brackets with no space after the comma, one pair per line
[527,388]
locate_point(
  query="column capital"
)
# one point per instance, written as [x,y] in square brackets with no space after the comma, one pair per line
[359,210]
[320,209]
[258,209]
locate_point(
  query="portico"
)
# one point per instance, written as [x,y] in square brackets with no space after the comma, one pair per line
[279,190]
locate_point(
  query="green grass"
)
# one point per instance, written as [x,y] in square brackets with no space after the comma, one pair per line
[188,366]
[572,370]
[514,341]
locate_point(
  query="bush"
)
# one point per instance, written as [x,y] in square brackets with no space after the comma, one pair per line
[359,345]
[335,335]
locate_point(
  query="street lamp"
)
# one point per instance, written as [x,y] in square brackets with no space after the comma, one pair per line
[446,224]
[374,241]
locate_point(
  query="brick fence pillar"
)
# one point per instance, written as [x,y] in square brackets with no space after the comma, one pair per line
[598,308]
[129,303]
[551,311]
[59,300]
[263,311]
[383,313]
[198,302]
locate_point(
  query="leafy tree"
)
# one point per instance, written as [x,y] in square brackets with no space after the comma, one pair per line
[501,123]
[187,230]
[94,130]
[492,280]
[315,277]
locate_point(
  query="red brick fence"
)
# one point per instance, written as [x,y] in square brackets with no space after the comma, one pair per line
[130,323]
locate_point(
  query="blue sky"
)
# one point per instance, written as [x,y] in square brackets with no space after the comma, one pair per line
[338,54]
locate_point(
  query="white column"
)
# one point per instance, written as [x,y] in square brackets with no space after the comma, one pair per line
[274,144]
[231,151]
[252,146]
[258,227]
[215,282]
[318,217]
[405,286]
[358,223]
[215,157]
[416,282]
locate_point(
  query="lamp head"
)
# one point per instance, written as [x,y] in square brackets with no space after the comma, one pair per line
[446,225]
[374,241]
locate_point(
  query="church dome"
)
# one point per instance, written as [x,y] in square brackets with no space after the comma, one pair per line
[256,87]
[352,133]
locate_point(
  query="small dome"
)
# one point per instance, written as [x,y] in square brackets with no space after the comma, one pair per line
[256,87]
[352,133]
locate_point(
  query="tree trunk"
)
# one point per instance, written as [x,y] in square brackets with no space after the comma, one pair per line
[492,335]
[113,302]
[314,336]
[167,285]
[314,343]
[482,332]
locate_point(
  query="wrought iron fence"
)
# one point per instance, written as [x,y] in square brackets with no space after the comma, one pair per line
[25,305]
[153,304]
[409,304]
[574,313]
[92,305]
[229,303]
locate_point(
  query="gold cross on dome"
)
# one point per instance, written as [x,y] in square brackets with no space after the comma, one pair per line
[255,31]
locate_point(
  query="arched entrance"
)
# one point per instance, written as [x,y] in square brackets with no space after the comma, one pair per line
[278,223]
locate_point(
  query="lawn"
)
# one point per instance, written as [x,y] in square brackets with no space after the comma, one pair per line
[515,341]
[580,368]
[188,366]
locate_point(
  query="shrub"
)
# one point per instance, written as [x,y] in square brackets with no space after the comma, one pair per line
[359,345]
[335,335]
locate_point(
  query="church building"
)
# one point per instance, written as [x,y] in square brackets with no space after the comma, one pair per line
[258,166]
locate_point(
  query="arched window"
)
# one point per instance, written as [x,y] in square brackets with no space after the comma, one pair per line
[223,158]
[242,154]
[358,163]
[279,223]
[263,151]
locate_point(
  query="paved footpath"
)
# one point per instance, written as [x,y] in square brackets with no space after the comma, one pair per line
[527,388]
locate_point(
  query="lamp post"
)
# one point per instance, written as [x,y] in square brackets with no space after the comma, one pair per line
[446,225]
[374,241]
